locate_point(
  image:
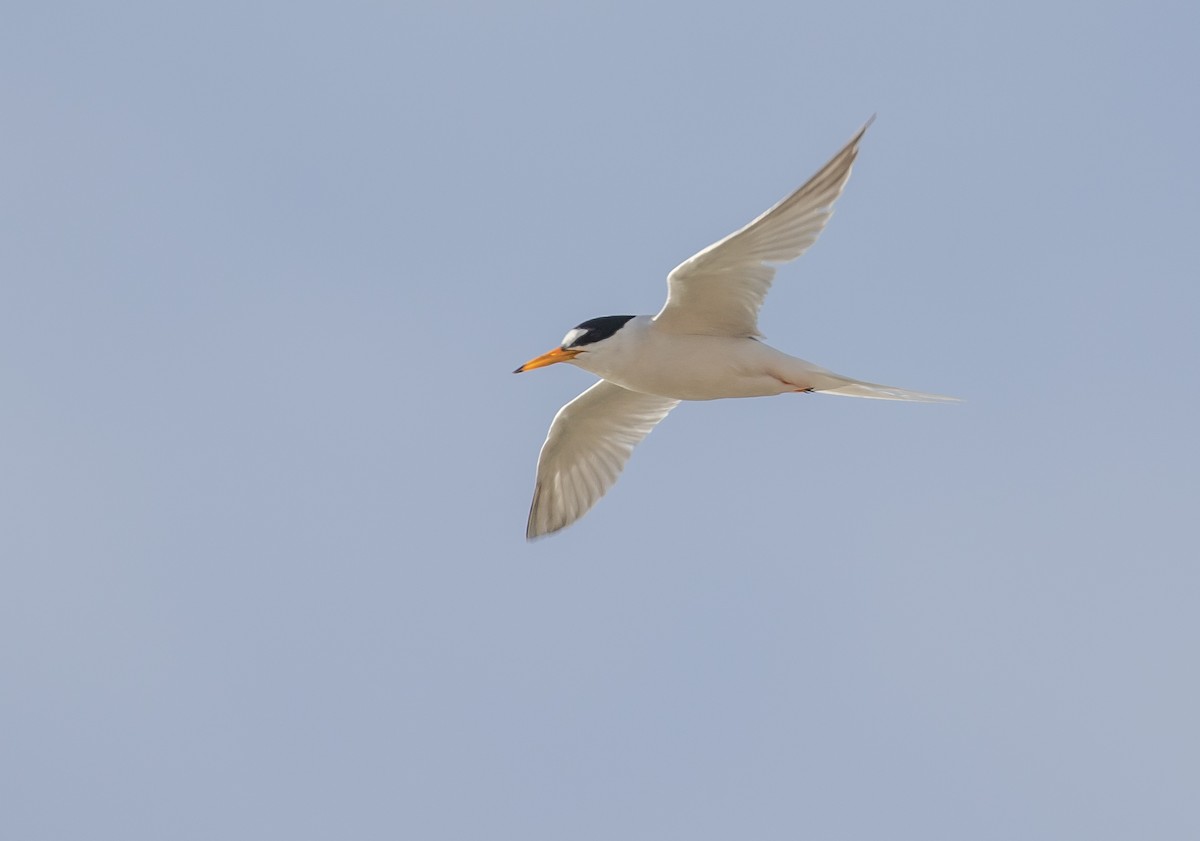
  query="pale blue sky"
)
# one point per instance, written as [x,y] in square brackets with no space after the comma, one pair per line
[265,269]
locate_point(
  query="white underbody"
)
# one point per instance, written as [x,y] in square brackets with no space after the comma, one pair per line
[645,358]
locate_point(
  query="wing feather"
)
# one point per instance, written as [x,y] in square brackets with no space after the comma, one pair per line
[590,440]
[719,291]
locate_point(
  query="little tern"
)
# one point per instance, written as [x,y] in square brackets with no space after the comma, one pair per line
[703,344]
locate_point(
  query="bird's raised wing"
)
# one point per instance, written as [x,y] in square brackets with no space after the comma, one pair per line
[589,442]
[719,291]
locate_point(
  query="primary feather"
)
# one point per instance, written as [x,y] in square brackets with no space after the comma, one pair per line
[719,291]
[589,442]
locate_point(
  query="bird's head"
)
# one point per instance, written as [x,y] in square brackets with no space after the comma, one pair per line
[587,337]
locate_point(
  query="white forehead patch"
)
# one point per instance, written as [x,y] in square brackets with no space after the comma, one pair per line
[572,336]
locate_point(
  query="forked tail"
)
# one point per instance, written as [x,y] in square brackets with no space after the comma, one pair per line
[847,387]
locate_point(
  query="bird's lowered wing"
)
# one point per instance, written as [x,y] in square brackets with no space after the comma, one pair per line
[590,440]
[719,291]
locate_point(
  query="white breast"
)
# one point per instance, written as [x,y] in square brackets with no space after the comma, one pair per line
[645,358]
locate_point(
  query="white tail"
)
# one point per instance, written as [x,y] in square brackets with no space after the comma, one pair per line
[858,388]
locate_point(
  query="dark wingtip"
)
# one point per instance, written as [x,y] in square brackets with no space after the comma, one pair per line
[858,134]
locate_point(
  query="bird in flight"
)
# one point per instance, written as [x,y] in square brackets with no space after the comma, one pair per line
[702,345]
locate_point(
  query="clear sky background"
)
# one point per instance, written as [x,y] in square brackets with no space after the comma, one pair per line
[265,269]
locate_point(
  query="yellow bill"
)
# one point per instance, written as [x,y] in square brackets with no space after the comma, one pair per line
[549,358]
